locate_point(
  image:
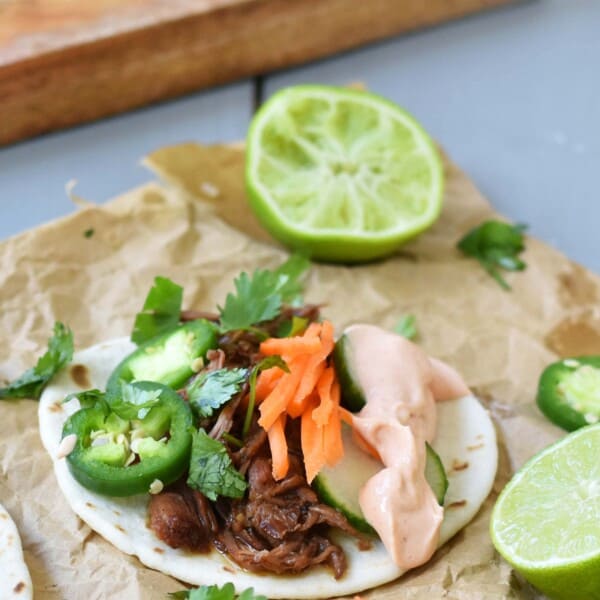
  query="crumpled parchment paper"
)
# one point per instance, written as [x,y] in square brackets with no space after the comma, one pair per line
[197,229]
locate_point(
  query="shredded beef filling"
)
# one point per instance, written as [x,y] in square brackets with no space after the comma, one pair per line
[279,526]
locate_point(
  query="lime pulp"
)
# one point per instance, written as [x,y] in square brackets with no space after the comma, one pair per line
[339,174]
[546,522]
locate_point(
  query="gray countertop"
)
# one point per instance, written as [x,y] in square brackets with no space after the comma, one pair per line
[512,95]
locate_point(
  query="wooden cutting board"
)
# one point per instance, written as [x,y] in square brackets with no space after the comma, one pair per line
[64,62]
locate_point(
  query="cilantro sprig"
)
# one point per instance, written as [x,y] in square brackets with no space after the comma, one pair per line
[209,391]
[263,365]
[161,310]
[407,327]
[496,245]
[32,382]
[213,592]
[259,297]
[211,469]
[132,402]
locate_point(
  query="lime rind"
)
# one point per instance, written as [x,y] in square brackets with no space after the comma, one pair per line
[550,506]
[378,169]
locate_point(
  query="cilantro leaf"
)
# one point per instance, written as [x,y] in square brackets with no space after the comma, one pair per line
[133,402]
[213,592]
[259,298]
[496,245]
[89,399]
[160,312]
[211,470]
[294,326]
[211,390]
[289,274]
[31,383]
[265,363]
[407,327]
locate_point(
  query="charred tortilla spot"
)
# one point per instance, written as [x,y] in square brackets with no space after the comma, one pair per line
[116,512]
[228,569]
[120,528]
[55,407]
[80,375]
[10,539]
[457,504]
[475,447]
[89,505]
[459,465]
[3,516]
[158,550]
[19,587]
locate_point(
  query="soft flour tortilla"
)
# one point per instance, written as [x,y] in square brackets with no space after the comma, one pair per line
[466,443]
[15,582]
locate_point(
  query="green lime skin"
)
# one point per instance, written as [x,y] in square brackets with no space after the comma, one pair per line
[569,392]
[347,187]
[546,521]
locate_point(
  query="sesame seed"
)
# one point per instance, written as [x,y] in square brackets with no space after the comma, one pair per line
[66,446]
[197,364]
[156,487]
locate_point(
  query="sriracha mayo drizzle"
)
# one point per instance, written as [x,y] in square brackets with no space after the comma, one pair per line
[400,384]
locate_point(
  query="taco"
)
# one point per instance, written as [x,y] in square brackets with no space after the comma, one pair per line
[15,581]
[241,509]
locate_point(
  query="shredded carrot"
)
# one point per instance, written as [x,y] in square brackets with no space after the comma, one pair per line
[364,445]
[346,416]
[332,436]
[310,392]
[276,402]
[279,449]
[322,413]
[290,346]
[314,369]
[311,438]
[267,381]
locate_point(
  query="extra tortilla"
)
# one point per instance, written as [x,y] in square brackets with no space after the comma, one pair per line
[15,582]
[466,443]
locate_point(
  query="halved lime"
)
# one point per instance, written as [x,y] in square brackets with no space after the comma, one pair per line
[546,522]
[341,175]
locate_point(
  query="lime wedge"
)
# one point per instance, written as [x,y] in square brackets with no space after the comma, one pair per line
[341,175]
[546,522]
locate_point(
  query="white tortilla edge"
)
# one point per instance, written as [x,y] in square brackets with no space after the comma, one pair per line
[466,439]
[15,581]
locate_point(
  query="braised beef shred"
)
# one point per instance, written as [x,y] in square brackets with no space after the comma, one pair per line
[279,526]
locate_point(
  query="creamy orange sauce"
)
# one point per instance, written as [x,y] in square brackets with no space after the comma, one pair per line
[401,385]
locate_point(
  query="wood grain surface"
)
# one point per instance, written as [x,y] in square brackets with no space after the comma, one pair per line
[64,62]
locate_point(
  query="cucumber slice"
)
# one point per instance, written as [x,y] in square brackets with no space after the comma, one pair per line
[352,395]
[436,474]
[339,486]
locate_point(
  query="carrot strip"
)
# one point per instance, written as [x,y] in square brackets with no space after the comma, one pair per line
[291,346]
[311,438]
[276,402]
[364,445]
[314,370]
[266,382]
[296,409]
[346,416]
[322,413]
[309,391]
[279,448]
[313,329]
[332,439]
